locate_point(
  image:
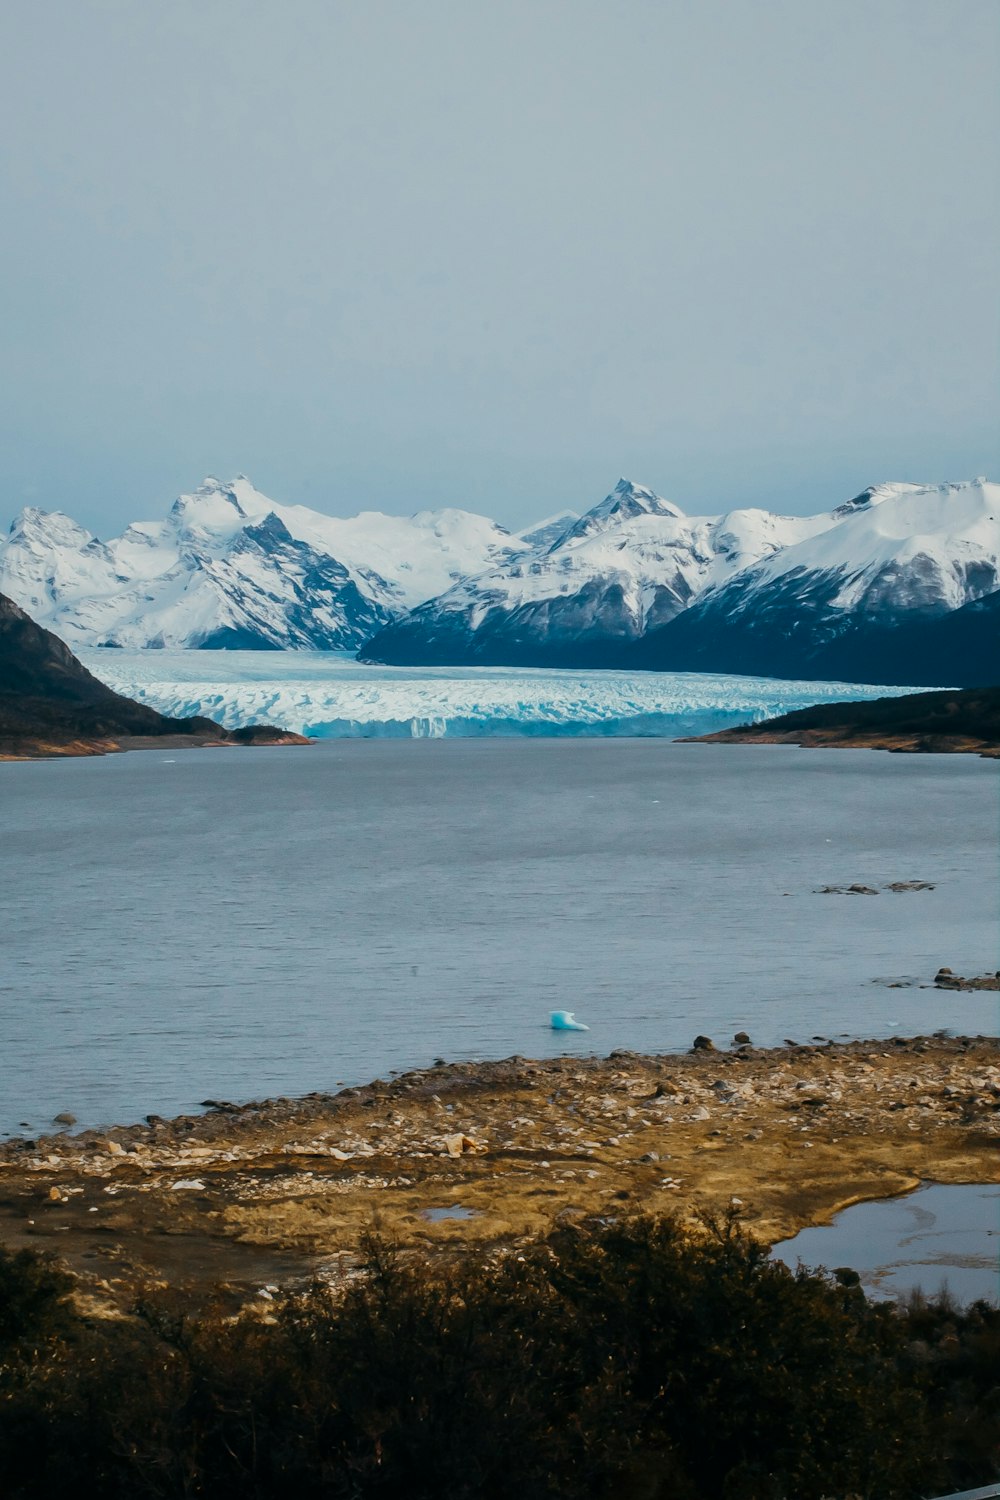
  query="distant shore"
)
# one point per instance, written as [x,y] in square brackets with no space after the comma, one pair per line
[817,739]
[952,722]
[494,1153]
[58,749]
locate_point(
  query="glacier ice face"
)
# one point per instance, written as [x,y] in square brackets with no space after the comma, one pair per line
[332,696]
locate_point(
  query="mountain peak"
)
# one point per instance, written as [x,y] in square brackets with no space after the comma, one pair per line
[212,506]
[626,500]
[50,526]
[889,489]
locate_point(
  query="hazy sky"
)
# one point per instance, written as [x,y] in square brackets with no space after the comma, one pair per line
[494,253]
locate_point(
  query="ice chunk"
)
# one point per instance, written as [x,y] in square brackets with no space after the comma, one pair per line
[562,1020]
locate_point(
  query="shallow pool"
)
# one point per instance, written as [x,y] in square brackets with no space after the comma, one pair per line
[932,1238]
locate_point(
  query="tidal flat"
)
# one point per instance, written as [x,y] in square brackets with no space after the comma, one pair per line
[260,1196]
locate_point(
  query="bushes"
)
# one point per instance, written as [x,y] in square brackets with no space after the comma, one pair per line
[629,1360]
[33,1299]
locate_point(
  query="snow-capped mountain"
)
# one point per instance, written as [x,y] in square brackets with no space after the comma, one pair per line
[229,567]
[587,589]
[860,593]
[877,595]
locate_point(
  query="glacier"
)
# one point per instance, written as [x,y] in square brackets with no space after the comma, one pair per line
[330,695]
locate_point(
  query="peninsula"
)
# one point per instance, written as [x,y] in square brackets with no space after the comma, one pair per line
[953,720]
[51,705]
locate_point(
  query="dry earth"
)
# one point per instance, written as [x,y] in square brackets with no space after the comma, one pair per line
[276,1192]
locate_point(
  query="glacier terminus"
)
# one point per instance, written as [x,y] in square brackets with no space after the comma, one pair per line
[330,695]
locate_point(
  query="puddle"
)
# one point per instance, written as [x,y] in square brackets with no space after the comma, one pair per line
[934,1237]
[453,1211]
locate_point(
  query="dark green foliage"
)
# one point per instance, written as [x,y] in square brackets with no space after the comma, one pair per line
[627,1361]
[33,1293]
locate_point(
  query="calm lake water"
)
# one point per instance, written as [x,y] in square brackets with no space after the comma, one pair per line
[238,923]
[940,1236]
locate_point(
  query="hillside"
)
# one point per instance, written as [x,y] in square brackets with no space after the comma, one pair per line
[51,705]
[954,720]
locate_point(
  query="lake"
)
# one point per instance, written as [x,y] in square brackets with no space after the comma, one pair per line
[239,923]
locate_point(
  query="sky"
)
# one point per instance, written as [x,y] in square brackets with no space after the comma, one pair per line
[495,253]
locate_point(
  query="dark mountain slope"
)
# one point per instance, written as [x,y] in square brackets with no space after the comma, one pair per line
[954,720]
[51,704]
[789,634]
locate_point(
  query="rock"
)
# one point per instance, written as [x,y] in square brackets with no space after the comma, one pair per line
[64,1119]
[740,1039]
[115,1148]
[701,1113]
[703,1044]
[54,1195]
[910,885]
[848,890]
[944,979]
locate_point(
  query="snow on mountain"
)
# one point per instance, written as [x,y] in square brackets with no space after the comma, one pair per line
[329,695]
[856,599]
[546,533]
[926,548]
[633,581]
[230,567]
[628,565]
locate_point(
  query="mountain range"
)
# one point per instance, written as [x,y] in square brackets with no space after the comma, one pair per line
[897,585]
[229,567]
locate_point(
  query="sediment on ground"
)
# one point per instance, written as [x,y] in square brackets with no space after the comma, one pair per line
[493,1154]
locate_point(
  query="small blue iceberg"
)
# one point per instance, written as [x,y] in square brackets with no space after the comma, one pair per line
[562,1020]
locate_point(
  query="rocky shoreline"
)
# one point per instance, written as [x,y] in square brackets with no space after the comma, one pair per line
[493,1154]
[43,749]
[952,722]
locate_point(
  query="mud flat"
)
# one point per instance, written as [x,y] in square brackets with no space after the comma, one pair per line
[491,1154]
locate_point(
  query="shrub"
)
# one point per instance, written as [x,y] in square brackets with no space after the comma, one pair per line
[626,1360]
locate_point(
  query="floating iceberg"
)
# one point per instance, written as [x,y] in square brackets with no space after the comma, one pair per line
[332,696]
[562,1020]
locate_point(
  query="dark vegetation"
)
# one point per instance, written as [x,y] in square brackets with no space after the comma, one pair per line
[48,698]
[618,1360]
[963,714]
